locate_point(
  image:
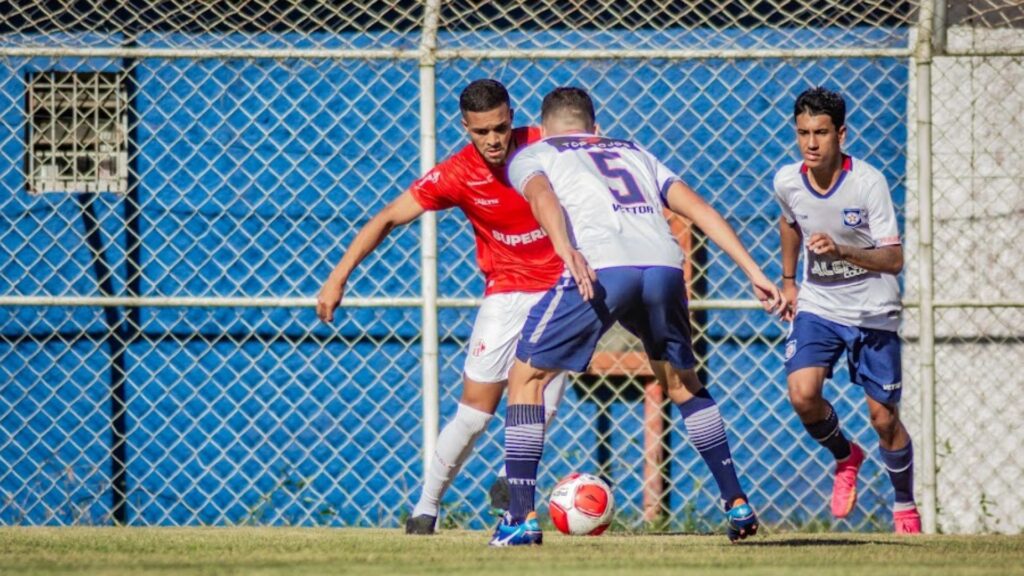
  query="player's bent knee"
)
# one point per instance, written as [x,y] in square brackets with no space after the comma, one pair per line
[482,396]
[885,421]
[471,420]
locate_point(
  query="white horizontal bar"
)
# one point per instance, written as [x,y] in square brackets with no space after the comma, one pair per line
[289,302]
[453,53]
[978,304]
[984,51]
[670,54]
[207,53]
[410,302]
[200,302]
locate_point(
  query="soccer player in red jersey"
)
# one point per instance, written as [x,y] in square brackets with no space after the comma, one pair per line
[514,255]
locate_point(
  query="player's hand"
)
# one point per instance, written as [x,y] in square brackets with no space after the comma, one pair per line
[329,299]
[789,292]
[769,295]
[823,245]
[581,272]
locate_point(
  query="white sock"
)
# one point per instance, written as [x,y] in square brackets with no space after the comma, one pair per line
[454,444]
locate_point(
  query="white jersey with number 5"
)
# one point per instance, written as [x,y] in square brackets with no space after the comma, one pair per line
[612,192]
[856,212]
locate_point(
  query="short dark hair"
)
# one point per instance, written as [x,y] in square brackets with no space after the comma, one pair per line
[571,100]
[820,100]
[483,95]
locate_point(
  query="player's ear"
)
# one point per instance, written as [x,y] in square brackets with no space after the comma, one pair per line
[842,135]
[597,129]
[511,115]
[465,125]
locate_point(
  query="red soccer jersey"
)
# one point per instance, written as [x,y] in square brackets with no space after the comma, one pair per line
[514,253]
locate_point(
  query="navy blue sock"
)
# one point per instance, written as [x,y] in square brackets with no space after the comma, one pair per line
[524,443]
[704,425]
[829,435]
[900,466]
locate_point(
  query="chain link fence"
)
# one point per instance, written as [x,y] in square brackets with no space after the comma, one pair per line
[161,362]
[977,102]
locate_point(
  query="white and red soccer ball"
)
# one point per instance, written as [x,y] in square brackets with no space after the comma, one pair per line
[581,504]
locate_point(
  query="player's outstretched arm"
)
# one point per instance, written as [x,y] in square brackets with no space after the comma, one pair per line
[684,201]
[400,211]
[548,212]
[790,238]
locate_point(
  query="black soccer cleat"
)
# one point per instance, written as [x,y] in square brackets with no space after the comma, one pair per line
[422,525]
[500,498]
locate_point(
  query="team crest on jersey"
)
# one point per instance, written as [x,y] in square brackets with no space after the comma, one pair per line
[478,348]
[433,176]
[790,348]
[853,217]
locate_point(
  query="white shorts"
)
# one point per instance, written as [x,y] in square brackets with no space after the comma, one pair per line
[492,346]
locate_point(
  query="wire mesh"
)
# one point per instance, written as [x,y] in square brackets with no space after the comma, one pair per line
[979,203]
[674,25]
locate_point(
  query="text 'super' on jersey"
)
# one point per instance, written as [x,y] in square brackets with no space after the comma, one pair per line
[513,252]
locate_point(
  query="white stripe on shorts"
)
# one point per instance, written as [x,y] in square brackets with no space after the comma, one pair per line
[548,313]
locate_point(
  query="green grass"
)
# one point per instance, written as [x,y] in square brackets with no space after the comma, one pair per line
[82,551]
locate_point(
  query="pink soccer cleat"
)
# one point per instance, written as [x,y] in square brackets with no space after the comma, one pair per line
[844,490]
[907,521]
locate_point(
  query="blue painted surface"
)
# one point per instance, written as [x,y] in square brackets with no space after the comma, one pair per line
[239,415]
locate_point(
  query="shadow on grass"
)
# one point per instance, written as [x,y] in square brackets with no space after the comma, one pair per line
[760,541]
[812,542]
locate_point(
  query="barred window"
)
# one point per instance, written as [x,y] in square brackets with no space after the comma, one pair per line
[77,132]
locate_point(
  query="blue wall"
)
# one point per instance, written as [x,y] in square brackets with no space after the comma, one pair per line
[253,176]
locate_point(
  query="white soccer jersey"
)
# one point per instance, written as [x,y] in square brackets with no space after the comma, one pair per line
[856,212]
[612,192]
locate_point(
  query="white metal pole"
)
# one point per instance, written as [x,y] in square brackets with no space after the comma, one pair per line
[926,351]
[428,234]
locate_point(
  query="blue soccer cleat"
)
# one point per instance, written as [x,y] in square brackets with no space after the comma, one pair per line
[525,533]
[742,522]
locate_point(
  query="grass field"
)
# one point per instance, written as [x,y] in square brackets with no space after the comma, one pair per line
[369,551]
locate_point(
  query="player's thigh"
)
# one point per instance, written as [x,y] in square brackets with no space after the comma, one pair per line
[662,320]
[562,329]
[813,342]
[496,330]
[812,349]
[875,363]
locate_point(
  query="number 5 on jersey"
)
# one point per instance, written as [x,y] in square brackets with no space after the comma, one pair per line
[632,193]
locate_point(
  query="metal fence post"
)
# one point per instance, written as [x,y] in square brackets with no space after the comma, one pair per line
[428,228]
[923,62]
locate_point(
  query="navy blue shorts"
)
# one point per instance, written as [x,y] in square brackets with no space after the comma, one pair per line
[873,356]
[562,330]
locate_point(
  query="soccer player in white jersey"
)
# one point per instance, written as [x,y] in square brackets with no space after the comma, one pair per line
[837,210]
[623,265]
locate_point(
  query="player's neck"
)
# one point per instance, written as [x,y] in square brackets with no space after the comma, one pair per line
[824,177]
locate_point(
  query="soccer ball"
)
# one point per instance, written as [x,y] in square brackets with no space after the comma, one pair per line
[581,504]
